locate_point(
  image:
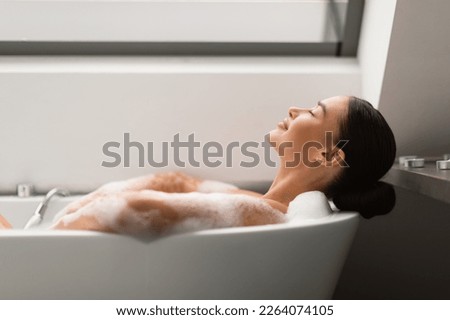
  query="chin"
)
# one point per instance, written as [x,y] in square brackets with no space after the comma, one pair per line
[274,137]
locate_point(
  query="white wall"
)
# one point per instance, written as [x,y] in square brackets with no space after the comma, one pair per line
[415,95]
[373,46]
[57,112]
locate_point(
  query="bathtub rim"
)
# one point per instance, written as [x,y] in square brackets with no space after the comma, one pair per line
[292,223]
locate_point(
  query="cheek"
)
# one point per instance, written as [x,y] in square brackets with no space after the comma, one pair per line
[300,133]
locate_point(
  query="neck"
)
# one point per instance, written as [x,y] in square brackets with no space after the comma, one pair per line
[290,182]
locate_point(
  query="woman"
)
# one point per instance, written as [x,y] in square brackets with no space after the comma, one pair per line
[342,147]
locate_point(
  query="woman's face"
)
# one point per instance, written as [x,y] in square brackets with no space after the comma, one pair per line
[302,135]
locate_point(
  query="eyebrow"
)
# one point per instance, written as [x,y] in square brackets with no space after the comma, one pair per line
[324,107]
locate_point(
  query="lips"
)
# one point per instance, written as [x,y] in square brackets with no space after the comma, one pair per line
[284,124]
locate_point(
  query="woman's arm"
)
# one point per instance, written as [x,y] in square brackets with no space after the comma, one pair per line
[150,212]
[171,182]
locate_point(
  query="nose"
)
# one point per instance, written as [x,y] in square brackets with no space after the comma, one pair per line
[294,111]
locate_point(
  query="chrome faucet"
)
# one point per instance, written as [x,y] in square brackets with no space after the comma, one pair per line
[38,215]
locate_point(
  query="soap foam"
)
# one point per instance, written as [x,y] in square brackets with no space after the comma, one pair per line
[219,210]
[126,185]
[104,190]
[106,210]
[197,211]
[115,186]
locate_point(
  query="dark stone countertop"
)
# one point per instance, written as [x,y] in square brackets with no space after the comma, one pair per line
[428,181]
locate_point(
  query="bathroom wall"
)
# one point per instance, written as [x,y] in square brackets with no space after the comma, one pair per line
[58,112]
[373,46]
[415,96]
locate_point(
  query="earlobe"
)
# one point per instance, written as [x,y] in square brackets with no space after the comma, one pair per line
[339,158]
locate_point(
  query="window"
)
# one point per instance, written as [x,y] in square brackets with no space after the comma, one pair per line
[202,27]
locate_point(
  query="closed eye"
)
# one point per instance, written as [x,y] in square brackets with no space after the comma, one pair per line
[311,111]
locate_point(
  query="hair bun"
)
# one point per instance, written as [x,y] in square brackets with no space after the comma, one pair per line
[377,199]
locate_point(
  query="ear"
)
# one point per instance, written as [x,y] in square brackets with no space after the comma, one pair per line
[333,158]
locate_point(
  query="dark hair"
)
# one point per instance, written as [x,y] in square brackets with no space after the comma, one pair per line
[369,153]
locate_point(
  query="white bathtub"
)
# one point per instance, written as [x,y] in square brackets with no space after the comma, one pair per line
[300,259]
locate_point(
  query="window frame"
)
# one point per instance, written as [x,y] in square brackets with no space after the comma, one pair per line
[20,44]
